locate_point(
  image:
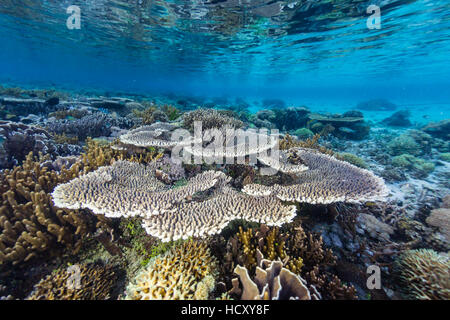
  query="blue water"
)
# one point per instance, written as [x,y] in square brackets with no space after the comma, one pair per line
[308,52]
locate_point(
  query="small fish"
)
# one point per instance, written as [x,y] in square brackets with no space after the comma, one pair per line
[425,116]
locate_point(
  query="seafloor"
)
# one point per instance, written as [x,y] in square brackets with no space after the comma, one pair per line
[322,237]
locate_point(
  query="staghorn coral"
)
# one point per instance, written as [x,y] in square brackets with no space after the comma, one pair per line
[424,274]
[127,189]
[271,282]
[327,180]
[186,272]
[288,142]
[271,242]
[210,118]
[171,112]
[300,250]
[95,283]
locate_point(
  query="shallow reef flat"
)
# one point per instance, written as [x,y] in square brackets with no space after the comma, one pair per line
[96,206]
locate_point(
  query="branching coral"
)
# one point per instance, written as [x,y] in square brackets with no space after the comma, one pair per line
[301,252]
[185,272]
[424,274]
[327,180]
[30,223]
[81,282]
[288,142]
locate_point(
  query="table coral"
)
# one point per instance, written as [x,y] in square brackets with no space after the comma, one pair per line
[327,180]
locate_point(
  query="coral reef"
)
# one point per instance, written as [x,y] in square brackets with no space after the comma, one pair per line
[439,129]
[31,224]
[264,119]
[78,282]
[127,189]
[349,125]
[376,105]
[416,166]
[424,274]
[398,119]
[353,159]
[301,252]
[93,125]
[291,118]
[414,142]
[327,180]
[440,218]
[303,133]
[209,217]
[186,272]
[18,139]
[210,118]
[271,282]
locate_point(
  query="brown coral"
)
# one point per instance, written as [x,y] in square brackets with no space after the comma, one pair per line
[78,282]
[424,274]
[185,272]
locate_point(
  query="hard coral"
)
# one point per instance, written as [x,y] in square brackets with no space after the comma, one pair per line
[210,118]
[186,272]
[327,180]
[424,274]
[271,282]
[31,224]
[79,282]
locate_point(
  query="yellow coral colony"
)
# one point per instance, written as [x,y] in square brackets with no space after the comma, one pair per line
[186,272]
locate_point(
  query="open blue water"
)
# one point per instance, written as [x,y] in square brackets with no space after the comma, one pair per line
[307,52]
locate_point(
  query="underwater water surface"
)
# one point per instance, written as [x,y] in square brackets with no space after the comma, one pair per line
[299,51]
[92,92]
